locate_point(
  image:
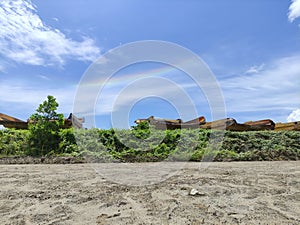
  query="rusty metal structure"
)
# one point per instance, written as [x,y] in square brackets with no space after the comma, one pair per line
[12,122]
[170,124]
[232,125]
[223,124]
[163,124]
[288,126]
[266,124]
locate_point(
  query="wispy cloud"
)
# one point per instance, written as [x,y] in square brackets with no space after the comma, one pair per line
[24,97]
[43,77]
[294,116]
[294,10]
[117,96]
[255,69]
[268,90]
[25,38]
[272,92]
[274,89]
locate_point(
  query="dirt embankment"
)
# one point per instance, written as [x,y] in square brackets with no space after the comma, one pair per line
[41,160]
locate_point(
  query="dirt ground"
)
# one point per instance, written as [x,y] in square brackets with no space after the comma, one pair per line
[151,193]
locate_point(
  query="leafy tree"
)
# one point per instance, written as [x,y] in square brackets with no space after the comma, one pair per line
[44,128]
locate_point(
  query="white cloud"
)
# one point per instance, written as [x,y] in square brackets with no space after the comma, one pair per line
[25,38]
[255,69]
[294,10]
[116,96]
[22,98]
[43,77]
[270,92]
[294,116]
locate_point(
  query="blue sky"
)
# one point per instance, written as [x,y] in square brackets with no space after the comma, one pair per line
[252,47]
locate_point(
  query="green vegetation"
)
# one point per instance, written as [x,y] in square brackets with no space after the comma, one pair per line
[13,142]
[44,128]
[174,145]
[143,143]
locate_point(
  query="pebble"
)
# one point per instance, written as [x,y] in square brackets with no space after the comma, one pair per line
[194,192]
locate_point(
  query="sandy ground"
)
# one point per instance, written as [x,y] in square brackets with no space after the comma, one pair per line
[151,193]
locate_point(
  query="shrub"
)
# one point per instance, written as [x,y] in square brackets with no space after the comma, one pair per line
[13,142]
[67,144]
[98,145]
[44,128]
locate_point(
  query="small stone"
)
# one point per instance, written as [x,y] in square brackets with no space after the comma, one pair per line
[194,192]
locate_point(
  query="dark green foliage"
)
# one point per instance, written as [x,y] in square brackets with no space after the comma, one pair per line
[144,144]
[142,130]
[67,144]
[13,142]
[44,129]
[263,145]
[90,144]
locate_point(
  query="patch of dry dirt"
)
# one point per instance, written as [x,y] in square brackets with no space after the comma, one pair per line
[225,193]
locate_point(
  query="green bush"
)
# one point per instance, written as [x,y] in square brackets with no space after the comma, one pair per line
[13,142]
[67,144]
[145,144]
[90,144]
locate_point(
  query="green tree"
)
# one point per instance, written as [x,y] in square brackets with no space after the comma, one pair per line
[44,128]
